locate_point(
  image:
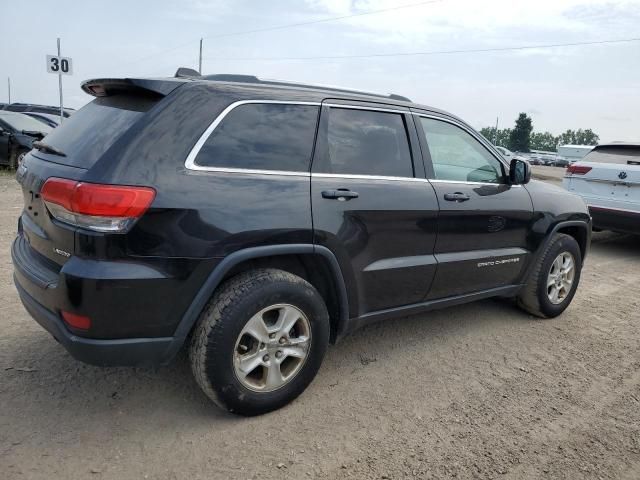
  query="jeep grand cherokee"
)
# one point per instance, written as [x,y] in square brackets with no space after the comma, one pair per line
[255,222]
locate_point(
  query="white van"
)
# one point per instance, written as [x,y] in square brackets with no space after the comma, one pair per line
[608,179]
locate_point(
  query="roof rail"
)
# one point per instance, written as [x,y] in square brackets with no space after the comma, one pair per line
[229,77]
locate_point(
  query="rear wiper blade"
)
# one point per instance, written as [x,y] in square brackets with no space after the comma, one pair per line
[43,147]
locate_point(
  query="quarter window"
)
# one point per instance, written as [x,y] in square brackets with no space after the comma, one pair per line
[367,142]
[264,136]
[457,156]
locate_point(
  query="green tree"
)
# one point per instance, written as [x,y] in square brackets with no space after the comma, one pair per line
[502,139]
[520,137]
[543,141]
[579,137]
[587,137]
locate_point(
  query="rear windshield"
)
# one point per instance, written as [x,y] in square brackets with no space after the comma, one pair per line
[87,134]
[625,156]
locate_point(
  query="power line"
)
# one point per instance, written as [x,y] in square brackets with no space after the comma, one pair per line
[324,20]
[432,52]
[288,25]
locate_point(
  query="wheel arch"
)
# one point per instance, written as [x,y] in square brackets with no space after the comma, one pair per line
[578,229]
[311,262]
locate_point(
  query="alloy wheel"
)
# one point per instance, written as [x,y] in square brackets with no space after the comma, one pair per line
[272,347]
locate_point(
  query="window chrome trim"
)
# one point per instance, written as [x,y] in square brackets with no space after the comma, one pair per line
[252,171]
[365,107]
[464,182]
[355,176]
[190,162]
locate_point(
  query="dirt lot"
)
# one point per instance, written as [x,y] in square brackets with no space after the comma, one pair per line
[477,391]
[549,174]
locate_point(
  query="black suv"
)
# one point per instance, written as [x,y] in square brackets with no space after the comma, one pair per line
[256,222]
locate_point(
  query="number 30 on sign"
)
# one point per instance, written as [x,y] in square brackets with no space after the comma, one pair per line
[59,65]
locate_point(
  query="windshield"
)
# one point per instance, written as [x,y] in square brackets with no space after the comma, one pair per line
[21,122]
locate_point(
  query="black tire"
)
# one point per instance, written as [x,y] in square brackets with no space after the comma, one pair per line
[214,339]
[533,298]
[16,158]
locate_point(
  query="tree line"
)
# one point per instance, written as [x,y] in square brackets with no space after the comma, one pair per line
[522,138]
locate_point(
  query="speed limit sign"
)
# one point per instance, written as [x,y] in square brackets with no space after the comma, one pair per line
[59,65]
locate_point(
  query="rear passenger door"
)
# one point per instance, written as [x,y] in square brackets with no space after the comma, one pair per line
[483,222]
[372,206]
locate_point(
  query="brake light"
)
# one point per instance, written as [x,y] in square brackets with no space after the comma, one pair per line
[103,208]
[578,169]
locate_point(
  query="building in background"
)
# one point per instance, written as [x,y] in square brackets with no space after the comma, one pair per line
[574,152]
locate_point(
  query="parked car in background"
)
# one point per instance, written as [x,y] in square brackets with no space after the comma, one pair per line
[254,222]
[608,179]
[17,134]
[31,107]
[509,155]
[561,161]
[504,152]
[46,118]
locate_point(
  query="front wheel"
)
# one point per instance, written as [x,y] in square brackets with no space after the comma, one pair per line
[554,278]
[260,341]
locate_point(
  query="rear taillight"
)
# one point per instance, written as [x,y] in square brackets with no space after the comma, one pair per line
[102,208]
[578,169]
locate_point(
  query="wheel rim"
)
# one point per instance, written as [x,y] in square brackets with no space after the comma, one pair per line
[272,348]
[560,278]
[21,158]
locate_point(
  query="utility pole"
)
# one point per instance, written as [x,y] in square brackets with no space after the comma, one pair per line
[200,61]
[60,85]
[495,134]
[9,87]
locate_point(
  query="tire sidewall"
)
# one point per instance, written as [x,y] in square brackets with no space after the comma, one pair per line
[563,243]
[219,359]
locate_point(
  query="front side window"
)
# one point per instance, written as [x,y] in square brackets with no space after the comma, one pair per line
[458,156]
[365,142]
[262,136]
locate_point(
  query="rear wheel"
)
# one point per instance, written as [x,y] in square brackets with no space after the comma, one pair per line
[554,278]
[20,158]
[260,341]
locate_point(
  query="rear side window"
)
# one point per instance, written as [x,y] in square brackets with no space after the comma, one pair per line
[265,136]
[87,134]
[622,155]
[365,142]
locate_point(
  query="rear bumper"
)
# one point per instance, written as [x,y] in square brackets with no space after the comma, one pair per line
[617,220]
[121,352]
[134,308]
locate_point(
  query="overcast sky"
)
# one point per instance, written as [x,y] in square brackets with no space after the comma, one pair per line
[593,86]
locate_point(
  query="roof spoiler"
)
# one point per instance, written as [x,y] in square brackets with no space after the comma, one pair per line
[104,87]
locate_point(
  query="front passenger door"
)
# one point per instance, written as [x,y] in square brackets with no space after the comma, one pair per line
[483,221]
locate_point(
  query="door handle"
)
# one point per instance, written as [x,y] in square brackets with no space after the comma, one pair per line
[341,194]
[456,197]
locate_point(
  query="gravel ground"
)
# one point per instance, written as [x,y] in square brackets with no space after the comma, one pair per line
[476,391]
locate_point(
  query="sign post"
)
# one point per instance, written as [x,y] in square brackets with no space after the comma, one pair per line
[59,65]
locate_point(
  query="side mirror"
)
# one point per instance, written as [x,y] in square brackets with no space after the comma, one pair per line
[519,172]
